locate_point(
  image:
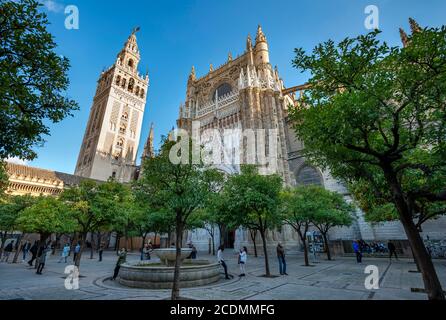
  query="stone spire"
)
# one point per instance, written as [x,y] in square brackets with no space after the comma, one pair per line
[403,36]
[248,43]
[414,26]
[192,73]
[129,55]
[229,56]
[261,52]
[260,37]
[211,68]
[148,148]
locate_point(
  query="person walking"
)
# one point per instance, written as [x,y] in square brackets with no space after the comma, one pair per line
[42,259]
[221,260]
[357,250]
[33,251]
[149,250]
[392,250]
[65,253]
[101,250]
[122,256]
[144,251]
[243,257]
[25,250]
[281,257]
[77,249]
[193,254]
[7,251]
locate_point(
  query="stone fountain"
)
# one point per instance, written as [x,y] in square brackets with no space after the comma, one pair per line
[159,275]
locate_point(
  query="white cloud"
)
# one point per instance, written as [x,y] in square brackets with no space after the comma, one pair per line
[17,161]
[53,6]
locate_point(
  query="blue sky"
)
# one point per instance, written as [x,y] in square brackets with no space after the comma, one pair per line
[178,34]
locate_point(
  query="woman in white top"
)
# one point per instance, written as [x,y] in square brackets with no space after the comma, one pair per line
[243,256]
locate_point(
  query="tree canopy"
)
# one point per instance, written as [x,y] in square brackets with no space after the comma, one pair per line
[254,202]
[375,114]
[33,78]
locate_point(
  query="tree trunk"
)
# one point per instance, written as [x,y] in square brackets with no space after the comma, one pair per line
[431,283]
[43,238]
[265,252]
[176,275]
[2,247]
[91,245]
[118,239]
[307,263]
[253,234]
[74,242]
[126,239]
[303,238]
[222,230]
[99,240]
[77,263]
[58,235]
[423,261]
[169,235]
[324,236]
[415,259]
[213,244]
[142,246]
[19,248]
[108,240]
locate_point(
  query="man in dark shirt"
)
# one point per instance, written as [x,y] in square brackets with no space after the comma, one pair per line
[392,250]
[281,258]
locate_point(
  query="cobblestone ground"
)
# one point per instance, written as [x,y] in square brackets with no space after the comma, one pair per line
[341,278]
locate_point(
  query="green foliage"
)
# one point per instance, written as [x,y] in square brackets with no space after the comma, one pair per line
[3,178]
[159,221]
[176,188]
[252,199]
[33,78]
[332,210]
[215,205]
[45,216]
[375,117]
[299,206]
[95,206]
[10,209]
[373,109]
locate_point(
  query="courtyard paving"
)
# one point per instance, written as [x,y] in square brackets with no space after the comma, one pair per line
[341,278]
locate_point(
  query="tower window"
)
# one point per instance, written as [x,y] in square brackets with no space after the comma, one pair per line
[120,143]
[137,91]
[131,84]
[122,129]
[113,174]
[123,83]
[130,63]
[125,116]
[142,93]
[118,80]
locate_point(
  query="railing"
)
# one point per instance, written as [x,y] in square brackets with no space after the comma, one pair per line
[222,102]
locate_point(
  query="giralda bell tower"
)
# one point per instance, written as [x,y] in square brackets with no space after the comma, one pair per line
[111,139]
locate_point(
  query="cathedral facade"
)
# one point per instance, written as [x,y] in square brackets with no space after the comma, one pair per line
[110,144]
[247,94]
[244,97]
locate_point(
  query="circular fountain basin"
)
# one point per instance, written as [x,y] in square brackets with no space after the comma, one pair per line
[168,255]
[155,275]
